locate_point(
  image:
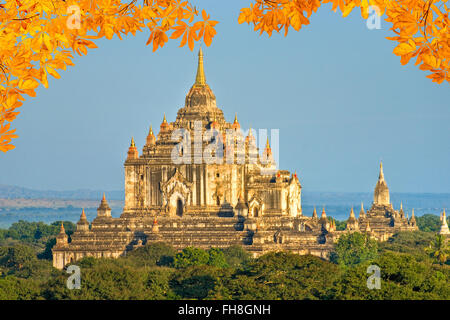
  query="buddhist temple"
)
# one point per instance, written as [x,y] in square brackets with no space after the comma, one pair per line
[201,181]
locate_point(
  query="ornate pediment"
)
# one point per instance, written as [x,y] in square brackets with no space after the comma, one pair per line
[176,188]
[255,206]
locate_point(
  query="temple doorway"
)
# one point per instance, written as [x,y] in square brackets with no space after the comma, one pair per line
[179,207]
[255,212]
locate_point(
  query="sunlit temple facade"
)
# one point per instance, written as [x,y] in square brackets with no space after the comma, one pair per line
[203,182]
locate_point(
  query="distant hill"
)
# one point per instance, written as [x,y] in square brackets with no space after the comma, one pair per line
[14,192]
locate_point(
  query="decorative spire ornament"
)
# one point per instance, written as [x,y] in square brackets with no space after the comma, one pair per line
[200,79]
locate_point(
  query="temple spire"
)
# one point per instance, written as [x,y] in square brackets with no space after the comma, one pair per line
[235,124]
[381,177]
[83,215]
[132,151]
[381,194]
[151,140]
[200,79]
[444,226]
[352,213]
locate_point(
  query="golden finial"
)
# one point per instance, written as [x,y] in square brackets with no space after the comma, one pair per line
[62,230]
[164,119]
[352,213]
[151,130]
[381,171]
[235,118]
[104,197]
[83,215]
[412,213]
[200,79]
[132,142]
[401,205]
[267,143]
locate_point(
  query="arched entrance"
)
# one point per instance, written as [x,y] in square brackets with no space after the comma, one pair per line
[179,210]
[255,212]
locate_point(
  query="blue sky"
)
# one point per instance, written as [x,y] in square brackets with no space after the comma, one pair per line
[341,100]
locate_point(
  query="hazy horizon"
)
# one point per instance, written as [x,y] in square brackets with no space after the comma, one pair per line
[123,190]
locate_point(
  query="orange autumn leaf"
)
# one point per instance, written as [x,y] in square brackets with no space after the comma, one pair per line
[404,48]
[28,84]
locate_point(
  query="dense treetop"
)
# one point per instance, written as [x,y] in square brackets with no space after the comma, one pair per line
[414,265]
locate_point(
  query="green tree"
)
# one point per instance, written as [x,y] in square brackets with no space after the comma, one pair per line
[217,258]
[152,254]
[157,283]
[198,281]
[402,278]
[438,249]
[429,222]
[411,242]
[236,256]
[21,261]
[12,288]
[191,256]
[354,248]
[47,253]
[17,257]
[284,275]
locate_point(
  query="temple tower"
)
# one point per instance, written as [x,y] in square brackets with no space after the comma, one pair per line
[83,223]
[352,223]
[104,211]
[381,194]
[444,226]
